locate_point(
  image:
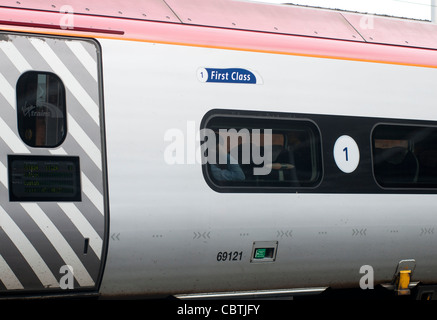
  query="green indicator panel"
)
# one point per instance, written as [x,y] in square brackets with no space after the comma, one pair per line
[264,251]
[260,253]
[44,178]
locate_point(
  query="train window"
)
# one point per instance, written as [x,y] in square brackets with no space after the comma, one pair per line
[256,154]
[405,156]
[41,109]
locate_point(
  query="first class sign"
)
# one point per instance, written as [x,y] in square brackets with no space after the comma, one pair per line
[230,75]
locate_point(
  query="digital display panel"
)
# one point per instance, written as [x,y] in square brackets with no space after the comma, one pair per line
[44,178]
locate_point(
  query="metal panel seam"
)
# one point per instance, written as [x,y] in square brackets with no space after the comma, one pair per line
[176,15]
[353,27]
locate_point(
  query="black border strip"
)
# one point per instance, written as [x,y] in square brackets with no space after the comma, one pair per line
[331,127]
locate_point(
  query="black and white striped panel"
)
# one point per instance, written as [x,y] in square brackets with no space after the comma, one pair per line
[38,238]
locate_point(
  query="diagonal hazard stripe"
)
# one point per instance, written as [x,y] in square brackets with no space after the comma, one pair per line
[85,142]
[3,175]
[9,137]
[92,193]
[59,243]
[88,187]
[70,81]
[7,91]
[77,132]
[27,250]
[84,227]
[8,277]
[84,57]
[55,237]
[15,56]
[47,58]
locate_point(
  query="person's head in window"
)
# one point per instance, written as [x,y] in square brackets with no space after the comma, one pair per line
[228,171]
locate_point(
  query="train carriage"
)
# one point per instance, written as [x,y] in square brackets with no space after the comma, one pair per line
[111,182]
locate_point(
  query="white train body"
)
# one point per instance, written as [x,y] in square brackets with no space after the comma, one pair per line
[165,226]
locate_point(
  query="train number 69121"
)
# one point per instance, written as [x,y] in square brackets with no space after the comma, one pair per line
[229,256]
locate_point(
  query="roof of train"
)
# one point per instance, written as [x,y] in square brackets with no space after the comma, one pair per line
[246,15]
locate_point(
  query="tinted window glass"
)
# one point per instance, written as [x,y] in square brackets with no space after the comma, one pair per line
[261,153]
[405,156]
[41,109]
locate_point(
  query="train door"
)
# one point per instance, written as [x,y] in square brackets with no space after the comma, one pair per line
[53,213]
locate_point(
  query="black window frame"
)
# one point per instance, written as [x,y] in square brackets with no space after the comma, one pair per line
[22,128]
[401,131]
[274,117]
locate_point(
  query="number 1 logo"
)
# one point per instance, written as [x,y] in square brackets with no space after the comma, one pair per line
[346,154]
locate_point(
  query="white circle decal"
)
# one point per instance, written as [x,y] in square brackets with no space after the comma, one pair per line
[202,75]
[346,154]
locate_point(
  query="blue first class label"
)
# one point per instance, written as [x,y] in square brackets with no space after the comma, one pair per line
[231,75]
